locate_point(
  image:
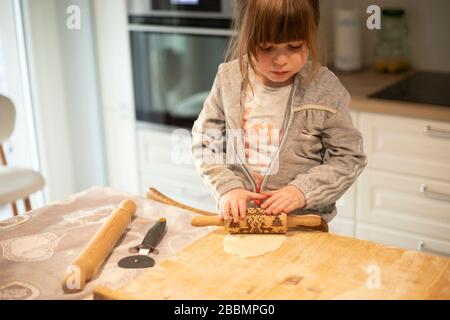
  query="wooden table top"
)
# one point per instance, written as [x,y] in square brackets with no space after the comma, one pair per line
[309,265]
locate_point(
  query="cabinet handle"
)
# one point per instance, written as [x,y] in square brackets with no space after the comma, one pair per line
[435,132]
[421,246]
[433,194]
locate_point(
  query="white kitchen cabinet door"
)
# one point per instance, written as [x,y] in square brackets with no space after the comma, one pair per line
[404,145]
[408,204]
[343,223]
[400,239]
[165,148]
[166,165]
[346,204]
[342,226]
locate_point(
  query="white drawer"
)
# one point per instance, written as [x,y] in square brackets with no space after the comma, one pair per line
[342,226]
[401,239]
[345,205]
[170,149]
[403,145]
[399,202]
[194,195]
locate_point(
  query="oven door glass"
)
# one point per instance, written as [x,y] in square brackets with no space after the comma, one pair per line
[173,74]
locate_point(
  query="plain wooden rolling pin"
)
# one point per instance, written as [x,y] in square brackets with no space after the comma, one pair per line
[257,221]
[98,248]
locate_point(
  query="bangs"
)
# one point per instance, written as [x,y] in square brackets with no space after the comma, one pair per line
[279,22]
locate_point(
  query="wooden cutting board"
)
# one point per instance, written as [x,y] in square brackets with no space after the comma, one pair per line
[309,265]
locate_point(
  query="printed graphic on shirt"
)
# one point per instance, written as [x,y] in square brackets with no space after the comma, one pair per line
[262,122]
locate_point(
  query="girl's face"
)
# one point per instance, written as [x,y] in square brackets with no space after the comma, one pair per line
[277,64]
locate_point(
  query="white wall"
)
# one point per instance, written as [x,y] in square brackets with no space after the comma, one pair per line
[429,25]
[116,91]
[67,108]
[82,101]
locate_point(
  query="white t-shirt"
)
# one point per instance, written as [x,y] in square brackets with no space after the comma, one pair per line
[262,124]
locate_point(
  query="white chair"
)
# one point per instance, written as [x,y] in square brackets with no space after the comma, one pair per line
[15,183]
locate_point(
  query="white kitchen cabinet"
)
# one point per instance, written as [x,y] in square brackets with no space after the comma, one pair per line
[401,239]
[403,195]
[408,146]
[399,202]
[342,226]
[344,222]
[165,147]
[165,163]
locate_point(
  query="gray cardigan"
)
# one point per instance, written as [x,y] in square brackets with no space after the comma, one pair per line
[321,152]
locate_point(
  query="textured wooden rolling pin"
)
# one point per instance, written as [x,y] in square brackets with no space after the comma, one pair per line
[257,221]
[311,221]
[99,247]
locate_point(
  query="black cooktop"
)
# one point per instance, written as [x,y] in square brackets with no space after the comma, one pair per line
[421,87]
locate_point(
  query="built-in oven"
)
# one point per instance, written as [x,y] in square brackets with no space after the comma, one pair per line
[176,46]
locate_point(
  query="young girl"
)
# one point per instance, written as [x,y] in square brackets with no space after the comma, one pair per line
[276,90]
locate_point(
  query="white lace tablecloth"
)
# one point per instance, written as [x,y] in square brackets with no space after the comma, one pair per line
[36,248]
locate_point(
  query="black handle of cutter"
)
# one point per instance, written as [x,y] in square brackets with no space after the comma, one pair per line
[155,234]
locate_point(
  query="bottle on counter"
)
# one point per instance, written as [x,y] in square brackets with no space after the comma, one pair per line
[393,53]
[347,38]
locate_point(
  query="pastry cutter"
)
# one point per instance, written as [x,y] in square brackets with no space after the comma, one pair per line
[151,240]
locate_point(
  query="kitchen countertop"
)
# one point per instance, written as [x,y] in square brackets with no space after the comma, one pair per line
[362,83]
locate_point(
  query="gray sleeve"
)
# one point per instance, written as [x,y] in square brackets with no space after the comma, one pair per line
[209,145]
[343,160]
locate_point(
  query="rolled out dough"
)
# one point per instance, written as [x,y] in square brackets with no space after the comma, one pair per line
[251,245]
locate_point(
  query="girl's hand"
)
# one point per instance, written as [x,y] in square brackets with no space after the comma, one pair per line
[233,204]
[286,199]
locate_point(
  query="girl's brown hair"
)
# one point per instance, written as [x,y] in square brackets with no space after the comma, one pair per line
[273,21]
